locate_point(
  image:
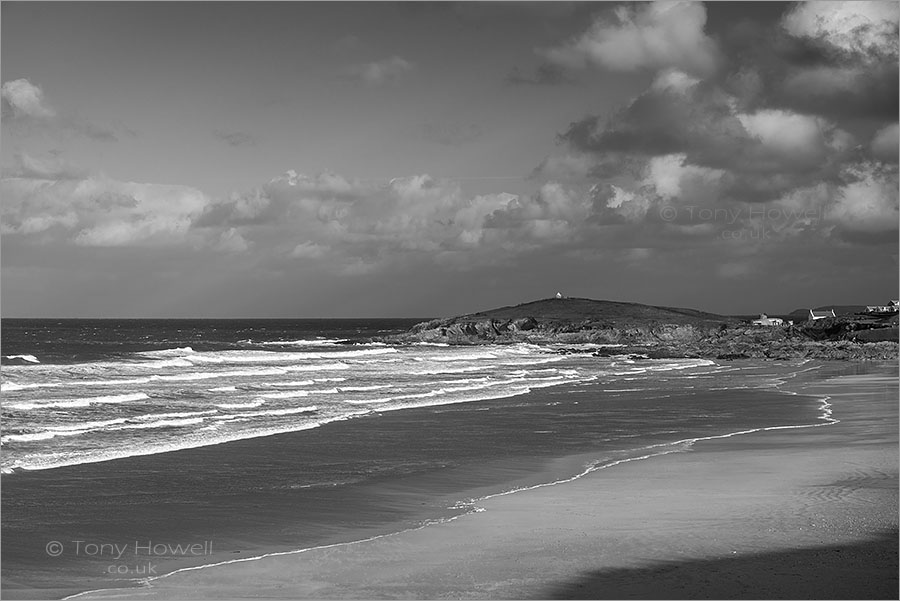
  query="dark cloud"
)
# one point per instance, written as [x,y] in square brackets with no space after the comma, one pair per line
[769,144]
[820,62]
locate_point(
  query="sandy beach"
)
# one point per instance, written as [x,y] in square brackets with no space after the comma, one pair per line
[796,513]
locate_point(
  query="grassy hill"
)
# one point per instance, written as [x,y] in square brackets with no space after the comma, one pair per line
[618,314]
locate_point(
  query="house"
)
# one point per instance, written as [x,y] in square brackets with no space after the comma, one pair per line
[891,307]
[765,320]
[559,295]
[814,315]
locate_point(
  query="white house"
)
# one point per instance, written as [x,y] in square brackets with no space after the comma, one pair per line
[765,320]
[814,315]
[891,307]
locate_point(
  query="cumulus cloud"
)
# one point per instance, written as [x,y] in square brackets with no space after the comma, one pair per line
[886,142]
[839,59]
[769,146]
[765,153]
[308,250]
[867,204]
[231,240]
[360,227]
[24,100]
[97,211]
[655,35]
[858,27]
[679,199]
[382,72]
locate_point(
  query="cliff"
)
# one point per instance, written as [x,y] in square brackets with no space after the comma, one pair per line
[659,331]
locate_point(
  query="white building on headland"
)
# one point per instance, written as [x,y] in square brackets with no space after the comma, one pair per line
[765,320]
[559,295]
[814,315]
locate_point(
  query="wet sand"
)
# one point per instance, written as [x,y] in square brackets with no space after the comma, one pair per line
[801,513]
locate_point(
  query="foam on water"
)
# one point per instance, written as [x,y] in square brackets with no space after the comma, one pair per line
[287,411]
[247,405]
[12,386]
[28,358]
[364,388]
[289,394]
[35,436]
[259,393]
[79,402]
[165,423]
[315,342]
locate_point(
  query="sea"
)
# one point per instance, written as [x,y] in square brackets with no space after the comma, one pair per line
[237,438]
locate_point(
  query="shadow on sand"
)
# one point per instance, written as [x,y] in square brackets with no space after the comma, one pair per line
[865,570]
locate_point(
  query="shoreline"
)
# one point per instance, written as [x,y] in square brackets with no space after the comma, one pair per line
[165,586]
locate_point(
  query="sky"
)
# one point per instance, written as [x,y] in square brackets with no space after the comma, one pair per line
[370,159]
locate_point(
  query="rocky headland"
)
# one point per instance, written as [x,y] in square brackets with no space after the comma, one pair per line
[661,332]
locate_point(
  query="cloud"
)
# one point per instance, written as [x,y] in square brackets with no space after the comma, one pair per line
[97,211]
[231,240]
[48,168]
[24,100]
[658,35]
[765,152]
[862,28]
[235,138]
[867,204]
[359,227]
[838,59]
[309,250]
[382,72]
[885,144]
[25,106]
[769,155]
[674,198]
